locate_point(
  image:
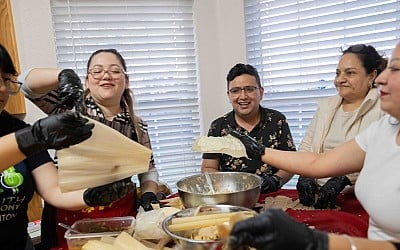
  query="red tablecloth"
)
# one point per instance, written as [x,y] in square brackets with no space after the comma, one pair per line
[351,219]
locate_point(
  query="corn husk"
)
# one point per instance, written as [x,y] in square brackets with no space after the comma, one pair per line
[225,144]
[105,157]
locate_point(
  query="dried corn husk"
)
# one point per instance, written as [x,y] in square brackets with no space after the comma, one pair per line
[226,144]
[107,156]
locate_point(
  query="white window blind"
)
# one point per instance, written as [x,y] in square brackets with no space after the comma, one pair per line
[156,38]
[295,45]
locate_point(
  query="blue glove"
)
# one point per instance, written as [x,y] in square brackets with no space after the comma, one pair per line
[330,190]
[275,230]
[306,187]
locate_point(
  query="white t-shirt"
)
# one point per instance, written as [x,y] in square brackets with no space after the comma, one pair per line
[378,185]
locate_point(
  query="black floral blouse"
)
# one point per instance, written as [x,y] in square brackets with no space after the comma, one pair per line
[272,131]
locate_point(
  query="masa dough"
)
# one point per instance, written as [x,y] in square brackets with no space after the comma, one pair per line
[226,144]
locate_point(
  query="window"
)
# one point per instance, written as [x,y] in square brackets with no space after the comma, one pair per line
[295,45]
[156,38]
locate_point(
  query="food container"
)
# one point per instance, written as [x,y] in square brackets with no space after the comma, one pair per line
[181,237]
[94,229]
[233,188]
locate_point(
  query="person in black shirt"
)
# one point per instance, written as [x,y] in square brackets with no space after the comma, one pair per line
[265,125]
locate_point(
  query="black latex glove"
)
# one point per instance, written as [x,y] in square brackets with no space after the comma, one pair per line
[270,184]
[330,190]
[275,230]
[306,187]
[149,198]
[104,195]
[54,132]
[70,89]
[254,149]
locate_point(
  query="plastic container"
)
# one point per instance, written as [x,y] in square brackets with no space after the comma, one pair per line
[94,229]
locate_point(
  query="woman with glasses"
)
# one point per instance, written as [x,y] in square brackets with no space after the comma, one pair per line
[341,117]
[106,98]
[374,152]
[267,126]
[26,166]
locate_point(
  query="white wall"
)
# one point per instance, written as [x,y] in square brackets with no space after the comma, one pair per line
[219,35]
[35,41]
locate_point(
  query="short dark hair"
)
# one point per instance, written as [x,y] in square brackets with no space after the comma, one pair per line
[240,69]
[6,63]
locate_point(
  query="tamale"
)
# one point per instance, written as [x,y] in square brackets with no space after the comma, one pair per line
[105,157]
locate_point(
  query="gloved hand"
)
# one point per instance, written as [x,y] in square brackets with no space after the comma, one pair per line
[254,149]
[306,187]
[104,195]
[270,184]
[149,198]
[330,190]
[54,132]
[70,89]
[275,230]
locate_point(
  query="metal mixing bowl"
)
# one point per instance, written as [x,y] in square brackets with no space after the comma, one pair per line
[180,238]
[233,188]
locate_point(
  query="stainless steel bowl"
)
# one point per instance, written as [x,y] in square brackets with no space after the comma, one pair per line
[187,243]
[233,188]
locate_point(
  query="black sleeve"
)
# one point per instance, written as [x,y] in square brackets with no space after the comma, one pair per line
[285,140]
[397,245]
[38,159]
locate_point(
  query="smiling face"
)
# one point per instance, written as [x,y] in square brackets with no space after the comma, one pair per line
[352,81]
[389,85]
[107,89]
[245,104]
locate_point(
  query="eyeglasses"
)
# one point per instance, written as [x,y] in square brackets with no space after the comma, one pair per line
[98,73]
[12,86]
[247,90]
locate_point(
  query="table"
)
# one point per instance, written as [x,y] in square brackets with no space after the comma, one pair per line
[351,219]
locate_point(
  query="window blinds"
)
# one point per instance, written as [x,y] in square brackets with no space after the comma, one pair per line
[156,38]
[295,45]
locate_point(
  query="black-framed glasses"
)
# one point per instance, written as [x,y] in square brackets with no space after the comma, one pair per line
[12,86]
[98,73]
[246,89]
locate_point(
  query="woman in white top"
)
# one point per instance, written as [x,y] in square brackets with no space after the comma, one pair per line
[375,153]
[341,117]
